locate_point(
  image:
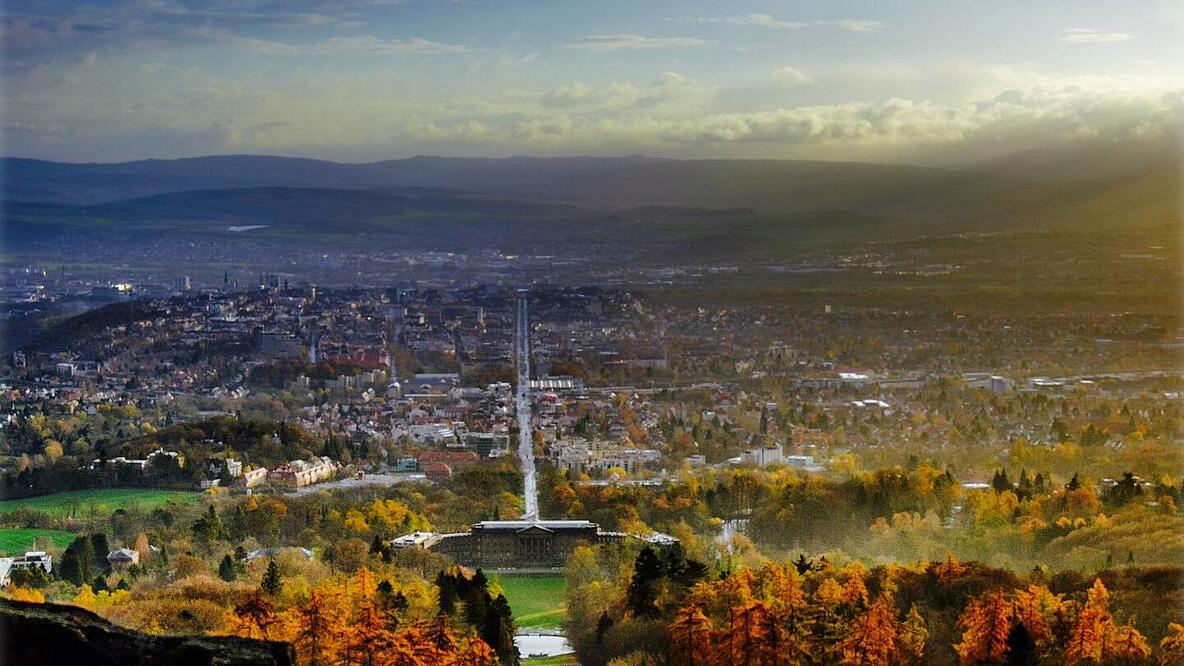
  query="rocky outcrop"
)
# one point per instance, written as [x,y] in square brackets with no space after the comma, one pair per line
[53,634]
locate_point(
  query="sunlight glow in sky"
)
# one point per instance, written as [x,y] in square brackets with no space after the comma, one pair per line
[941,83]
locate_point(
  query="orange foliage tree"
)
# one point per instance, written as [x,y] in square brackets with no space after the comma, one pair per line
[985,623]
[872,637]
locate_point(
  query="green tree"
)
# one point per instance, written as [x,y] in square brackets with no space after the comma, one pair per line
[76,561]
[272,583]
[1021,647]
[226,569]
[99,550]
[642,595]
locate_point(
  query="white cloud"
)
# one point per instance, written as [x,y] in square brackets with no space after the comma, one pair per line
[788,77]
[768,21]
[617,42]
[754,20]
[763,21]
[377,114]
[855,25]
[364,44]
[579,94]
[1091,36]
[672,89]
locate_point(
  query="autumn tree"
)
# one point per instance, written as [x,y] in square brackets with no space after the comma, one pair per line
[912,636]
[986,623]
[871,639]
[320,628]
[1127,646]
[253,618]
[1171,647]
[690,637]
[1087,638]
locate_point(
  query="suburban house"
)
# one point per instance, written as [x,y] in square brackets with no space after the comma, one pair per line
[122,558]
[299,473]
[32,558]
[254,477]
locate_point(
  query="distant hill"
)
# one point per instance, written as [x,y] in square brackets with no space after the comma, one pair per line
[787,186]
[426,198]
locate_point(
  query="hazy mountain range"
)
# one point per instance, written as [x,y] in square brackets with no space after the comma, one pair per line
[1091,188]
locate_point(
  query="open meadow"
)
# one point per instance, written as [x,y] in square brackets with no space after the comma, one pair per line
[81,503]
[17,541]
[537,601]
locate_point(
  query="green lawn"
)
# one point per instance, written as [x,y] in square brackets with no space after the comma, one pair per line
[537,601]
[80,503]
[558,660]
[17,541]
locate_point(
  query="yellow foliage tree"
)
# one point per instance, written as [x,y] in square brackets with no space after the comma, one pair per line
[871,639]
[1171,647]
[985,623]
[1093,627]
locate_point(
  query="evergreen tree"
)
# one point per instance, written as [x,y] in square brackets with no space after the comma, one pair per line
[448,594]
[99,550]
[1025,486]
[1000,482]
[386,594]
[226,569]
[99,585]
[497,629]
[76,561]
[1074,483]
[399,602]
[642,593]
[803,565]
[1021,648]
[377,546]
[602,626]
[272,584]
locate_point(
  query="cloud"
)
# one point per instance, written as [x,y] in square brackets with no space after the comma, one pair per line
[855,25]
[364,44]
[1090,36]
[621,42]
[788,77]
[40,129]
[580,95]
[768,21]
[672,88]
[1014,118]
[763,21]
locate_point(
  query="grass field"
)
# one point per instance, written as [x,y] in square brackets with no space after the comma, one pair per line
[537,601]
[79,503]
[558,660]
[17,541]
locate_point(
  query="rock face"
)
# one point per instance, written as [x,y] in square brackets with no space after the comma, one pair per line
[58,634]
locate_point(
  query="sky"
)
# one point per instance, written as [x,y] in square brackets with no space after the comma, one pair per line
[887,81]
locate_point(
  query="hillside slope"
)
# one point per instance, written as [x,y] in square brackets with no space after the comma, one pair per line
[59,634]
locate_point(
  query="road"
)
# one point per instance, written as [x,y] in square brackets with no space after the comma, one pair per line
[525,424]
